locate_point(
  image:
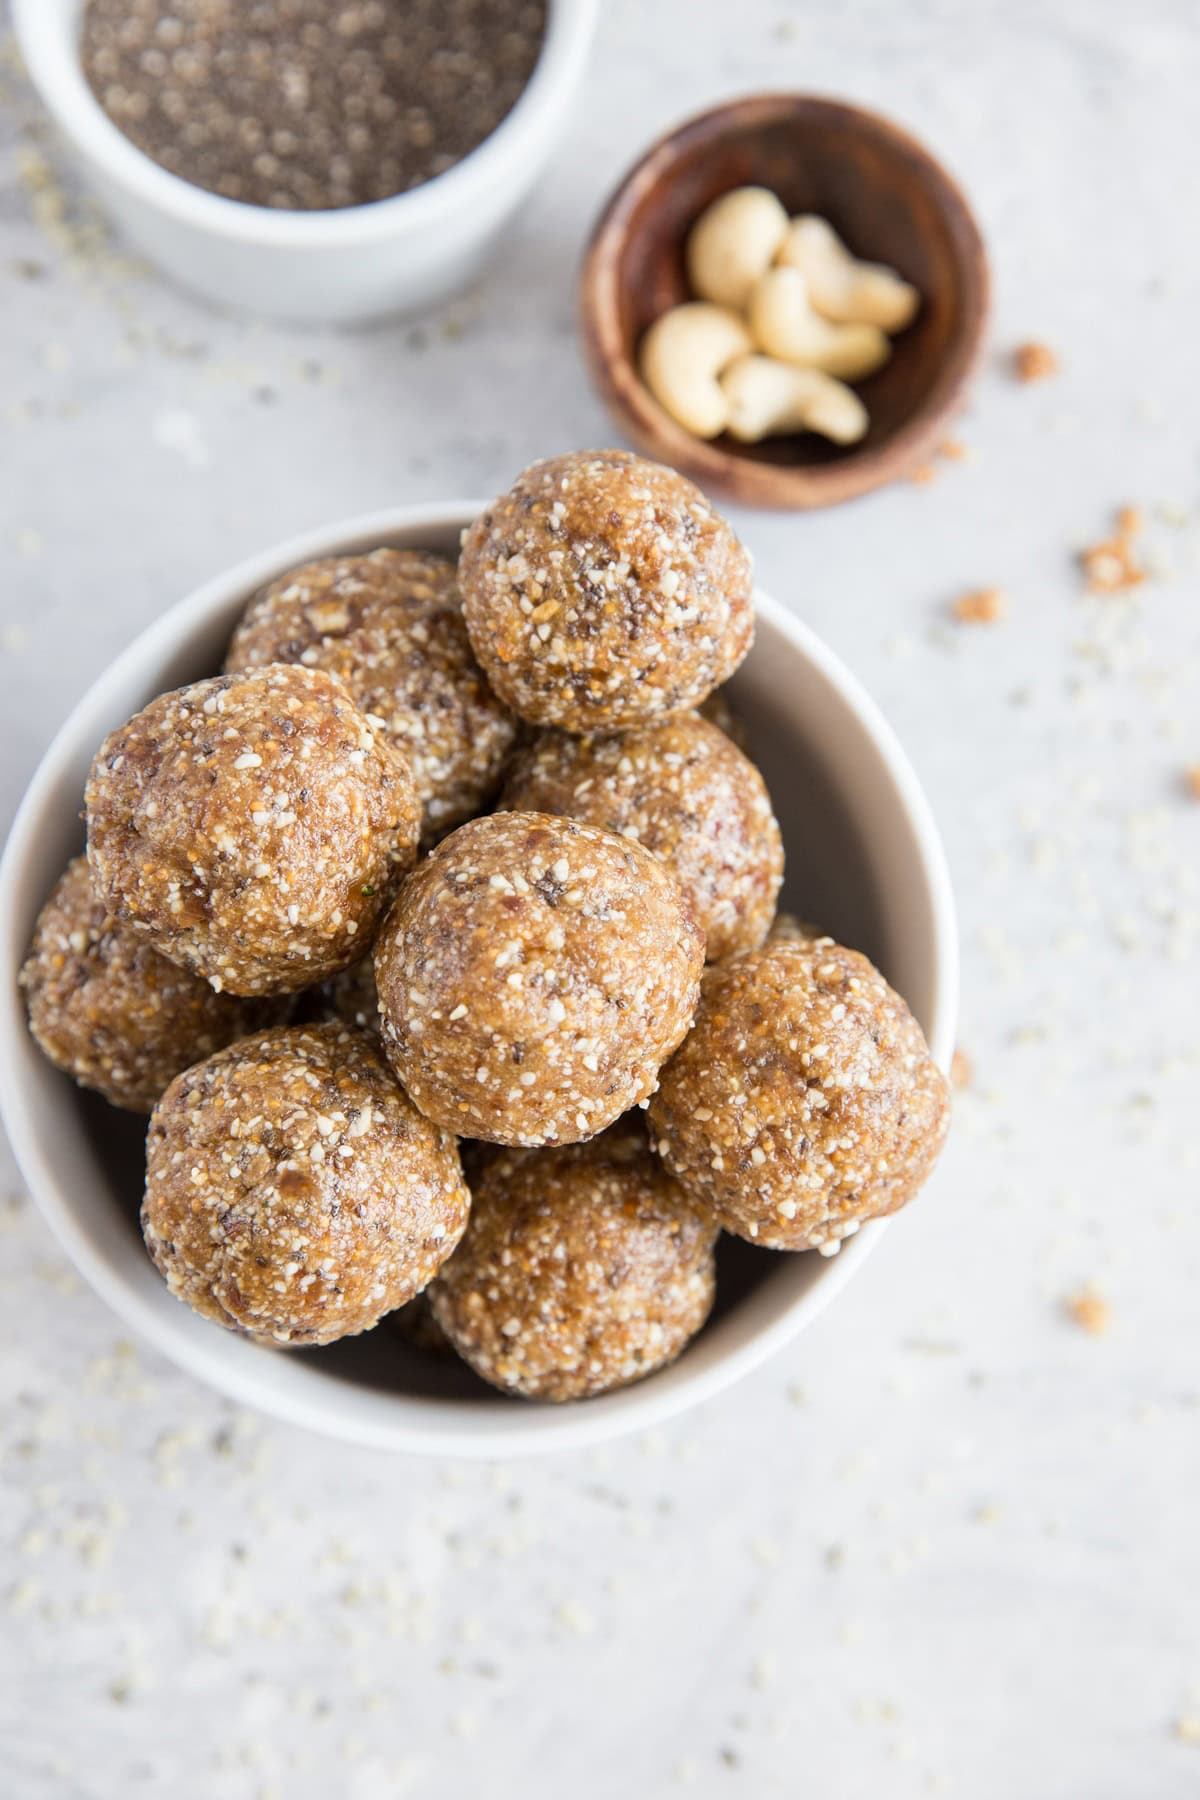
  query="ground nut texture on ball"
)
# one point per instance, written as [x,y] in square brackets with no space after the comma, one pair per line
[253,826]
[108,1010]
[294,1192]
[534,975]
[390,624]
[603,590]
[582,1269]
[682,790]
[804,1100]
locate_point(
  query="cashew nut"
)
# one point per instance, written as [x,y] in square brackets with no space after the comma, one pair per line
[732,242]
[683,353]
[769,399]
[785,324]
[842,287]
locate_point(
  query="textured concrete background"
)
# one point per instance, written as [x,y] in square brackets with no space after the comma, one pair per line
[946,1543]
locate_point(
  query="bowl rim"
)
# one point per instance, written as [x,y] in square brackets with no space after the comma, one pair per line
[858,470]
[45,34]
[479,1429]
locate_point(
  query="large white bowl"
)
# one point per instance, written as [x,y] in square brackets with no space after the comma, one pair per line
[864,858]
[311,267]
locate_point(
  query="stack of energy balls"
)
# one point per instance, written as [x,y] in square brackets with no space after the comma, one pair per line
[334,978]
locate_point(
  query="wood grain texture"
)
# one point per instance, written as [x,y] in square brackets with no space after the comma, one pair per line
[891,202]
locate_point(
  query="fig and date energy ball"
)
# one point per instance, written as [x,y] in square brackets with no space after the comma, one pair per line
[253,827]
[582,1269]
[294,1192]
[390,624]
[534,974]
[804,1100]
[683,791]
[603,591]
[111,1012]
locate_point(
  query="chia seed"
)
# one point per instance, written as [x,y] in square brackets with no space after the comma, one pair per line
[309,105]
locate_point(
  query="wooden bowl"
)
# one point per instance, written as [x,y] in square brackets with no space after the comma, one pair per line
[891,202]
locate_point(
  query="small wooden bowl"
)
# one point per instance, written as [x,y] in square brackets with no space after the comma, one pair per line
[885,196]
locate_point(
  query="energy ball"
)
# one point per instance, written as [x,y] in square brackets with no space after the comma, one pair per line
[534,975]
[110,1011]
[582,1269]
[390,624]
[292,1190]
[685,793]
[804,1101]
[603,591]
[253,827]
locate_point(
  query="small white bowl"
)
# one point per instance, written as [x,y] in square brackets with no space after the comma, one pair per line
[864,859]
[313,268]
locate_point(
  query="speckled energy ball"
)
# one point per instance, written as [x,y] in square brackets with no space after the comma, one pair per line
[292,1190]
[682,790]
[534,975]
[110,1011]
[252,827]
[804,1100]
[390,623]
[582,1269]
[602,591]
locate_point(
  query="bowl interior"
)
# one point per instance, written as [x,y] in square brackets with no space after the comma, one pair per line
[886,197]
[863,859]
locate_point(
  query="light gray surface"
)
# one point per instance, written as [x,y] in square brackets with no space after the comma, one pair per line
[946,1543]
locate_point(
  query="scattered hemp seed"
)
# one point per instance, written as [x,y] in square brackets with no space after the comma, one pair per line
[1034,362]
[983,606]
[1089,1311]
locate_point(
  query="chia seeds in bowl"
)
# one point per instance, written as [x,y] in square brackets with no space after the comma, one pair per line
[309,105]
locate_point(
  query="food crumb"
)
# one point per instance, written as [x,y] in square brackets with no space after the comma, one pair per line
[1034,362]
[923,474]
[954,450]
[1191,780]
[1090,1311]
[983,606]
[962,1070]
[1111,566]
[1187,1728]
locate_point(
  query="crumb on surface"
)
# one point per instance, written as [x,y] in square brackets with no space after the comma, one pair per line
[982,606]
[1191,780]
[962,1070]
[924,474]
[1034,361]
[955,450]
[1090,1311]
[1111,566]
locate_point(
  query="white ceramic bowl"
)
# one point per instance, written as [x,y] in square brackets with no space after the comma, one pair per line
[864,858]
[311,268]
